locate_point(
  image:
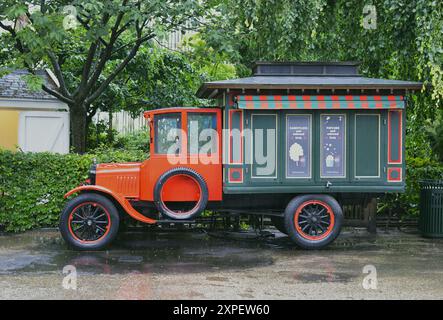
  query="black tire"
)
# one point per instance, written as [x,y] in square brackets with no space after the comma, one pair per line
[279,224]
[107,219]
[310,240]
[196,210]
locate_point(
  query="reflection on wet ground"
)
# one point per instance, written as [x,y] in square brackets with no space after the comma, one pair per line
[160,264]
[196,251]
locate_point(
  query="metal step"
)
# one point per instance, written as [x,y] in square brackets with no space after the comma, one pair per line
[175,221]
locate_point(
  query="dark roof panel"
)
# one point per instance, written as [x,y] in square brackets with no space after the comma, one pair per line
[317,75]
[305,68]
[13,85]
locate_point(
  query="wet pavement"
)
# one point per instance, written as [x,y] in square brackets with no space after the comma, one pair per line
[197,265]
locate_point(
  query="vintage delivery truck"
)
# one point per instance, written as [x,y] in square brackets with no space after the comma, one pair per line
[294,141]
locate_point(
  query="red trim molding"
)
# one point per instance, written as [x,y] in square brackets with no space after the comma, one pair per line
[395,174]
[400,138]
[235,175]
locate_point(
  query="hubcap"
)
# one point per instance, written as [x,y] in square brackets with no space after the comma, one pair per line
[89,222]
[314,220]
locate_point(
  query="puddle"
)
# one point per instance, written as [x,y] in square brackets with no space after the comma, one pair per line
[132,252]
[316,278]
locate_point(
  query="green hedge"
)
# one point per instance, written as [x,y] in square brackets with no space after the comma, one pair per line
[32,185]
[407,204]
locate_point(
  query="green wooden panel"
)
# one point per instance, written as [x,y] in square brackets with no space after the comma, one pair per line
[367,146]
[236,126]
[264,146]
[366,154]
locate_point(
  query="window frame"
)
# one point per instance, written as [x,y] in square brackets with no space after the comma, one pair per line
[155,131]
[187,142]
[310,116]
[345,142]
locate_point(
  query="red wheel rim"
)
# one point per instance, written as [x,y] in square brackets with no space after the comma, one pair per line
[89,222]
[187,212]
[314,220]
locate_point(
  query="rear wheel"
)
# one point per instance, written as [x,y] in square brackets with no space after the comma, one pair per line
[313,221]
[89,222]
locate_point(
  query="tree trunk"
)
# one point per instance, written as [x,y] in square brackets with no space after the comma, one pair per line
[78,127]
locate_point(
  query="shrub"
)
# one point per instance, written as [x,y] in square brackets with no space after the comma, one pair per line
[408,203]
[32,185]
[138,140]
[434,132]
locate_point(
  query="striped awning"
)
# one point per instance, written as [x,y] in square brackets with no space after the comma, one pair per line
[320,102]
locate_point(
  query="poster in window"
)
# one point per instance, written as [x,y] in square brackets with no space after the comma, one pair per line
[332,153]
[298,146]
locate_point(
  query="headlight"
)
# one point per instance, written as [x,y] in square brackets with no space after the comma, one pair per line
[92,173]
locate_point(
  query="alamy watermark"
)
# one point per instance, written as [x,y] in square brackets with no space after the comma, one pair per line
[203,147]
[370,281]
[70,20]
[70,280]
[369,17]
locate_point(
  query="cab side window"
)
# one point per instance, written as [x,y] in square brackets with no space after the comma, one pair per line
[202,133]
[167,133]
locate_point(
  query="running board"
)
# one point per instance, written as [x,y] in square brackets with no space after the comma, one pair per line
[174,221]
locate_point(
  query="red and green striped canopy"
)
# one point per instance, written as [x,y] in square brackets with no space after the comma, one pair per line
[320,102]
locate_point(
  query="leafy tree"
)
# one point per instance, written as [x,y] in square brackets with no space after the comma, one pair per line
[251,30]
[159,77]
[88,43]
[406,43]
[210,64]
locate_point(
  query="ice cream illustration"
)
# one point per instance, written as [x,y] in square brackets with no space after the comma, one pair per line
[296,152]
[330,161]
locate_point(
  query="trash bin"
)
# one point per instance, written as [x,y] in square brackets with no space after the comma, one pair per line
[431,208]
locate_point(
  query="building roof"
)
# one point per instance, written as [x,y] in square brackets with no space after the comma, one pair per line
[306,75]
[14,86]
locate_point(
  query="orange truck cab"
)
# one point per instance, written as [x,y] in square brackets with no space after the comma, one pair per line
[284,143]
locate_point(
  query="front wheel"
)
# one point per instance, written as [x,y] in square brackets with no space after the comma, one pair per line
[89,222]
[313,221]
